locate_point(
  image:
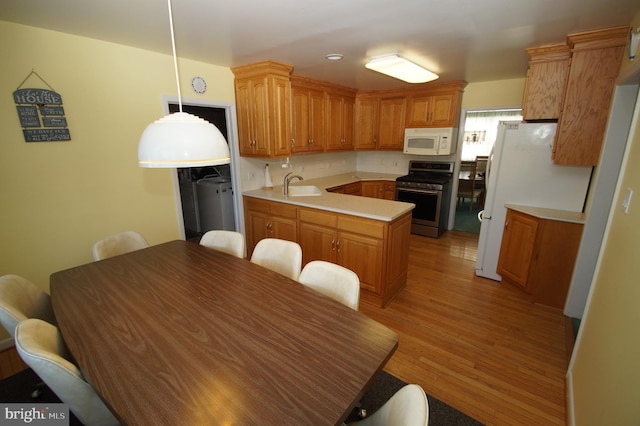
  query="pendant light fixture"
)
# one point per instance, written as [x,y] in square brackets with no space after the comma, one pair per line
[181,139]
[398,67]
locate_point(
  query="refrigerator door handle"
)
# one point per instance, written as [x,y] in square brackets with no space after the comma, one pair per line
[482,216]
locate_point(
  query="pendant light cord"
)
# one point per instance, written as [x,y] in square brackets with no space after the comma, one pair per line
[175,58]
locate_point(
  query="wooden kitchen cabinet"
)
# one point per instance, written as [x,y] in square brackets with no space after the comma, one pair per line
[389,190]
[432,111]
[382,116]
[596,57]
[263,106]
[516,251]
[353,188]
[366,122]
[378,189]
[340,110]
[436,106]
[391,123]
[372,188]
[538,255]
[376,251]
[266,219]
[308,117]
[546,79]
[380,122]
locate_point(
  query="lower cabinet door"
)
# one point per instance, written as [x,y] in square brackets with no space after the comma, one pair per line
[364,256]
[516,251]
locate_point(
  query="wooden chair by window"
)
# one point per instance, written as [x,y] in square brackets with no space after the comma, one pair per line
[467,183]
[481,177]
[481,164]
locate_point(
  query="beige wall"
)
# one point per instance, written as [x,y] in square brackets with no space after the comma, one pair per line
[60,197]
[605,369]
[500,93]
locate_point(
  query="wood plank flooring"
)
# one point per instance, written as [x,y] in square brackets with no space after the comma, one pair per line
[475,344]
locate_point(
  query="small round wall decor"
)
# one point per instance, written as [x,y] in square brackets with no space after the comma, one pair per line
[199,85]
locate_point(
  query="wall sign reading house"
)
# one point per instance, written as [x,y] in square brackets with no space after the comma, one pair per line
[41,115]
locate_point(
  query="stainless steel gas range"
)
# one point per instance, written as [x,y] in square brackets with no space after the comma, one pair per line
[428,186]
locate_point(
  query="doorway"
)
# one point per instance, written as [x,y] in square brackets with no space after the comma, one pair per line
[476,143]
[206,194]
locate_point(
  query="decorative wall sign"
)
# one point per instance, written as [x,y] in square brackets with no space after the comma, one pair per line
[41,113]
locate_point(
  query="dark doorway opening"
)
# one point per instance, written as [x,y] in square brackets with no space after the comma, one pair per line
[206,193]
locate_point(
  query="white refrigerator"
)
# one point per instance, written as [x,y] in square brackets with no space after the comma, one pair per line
[520,171]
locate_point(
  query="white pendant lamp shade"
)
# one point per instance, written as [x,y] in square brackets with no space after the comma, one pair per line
[182,140]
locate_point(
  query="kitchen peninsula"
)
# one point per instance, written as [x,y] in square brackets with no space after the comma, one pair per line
[368,235]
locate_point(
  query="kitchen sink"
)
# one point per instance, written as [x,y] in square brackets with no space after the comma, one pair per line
[304,191]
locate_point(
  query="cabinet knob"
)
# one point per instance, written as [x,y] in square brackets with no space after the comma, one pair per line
[333,245]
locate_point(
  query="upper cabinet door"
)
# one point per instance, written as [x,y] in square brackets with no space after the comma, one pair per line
[595,63]
[263,104]
[366,122]
[439,108]
[308,117]
[546,80]
[392,122]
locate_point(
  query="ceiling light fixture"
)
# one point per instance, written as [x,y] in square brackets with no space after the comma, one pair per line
[400,68]
[181,139]
[334,56]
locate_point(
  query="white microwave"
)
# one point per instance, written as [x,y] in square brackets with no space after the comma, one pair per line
[430,141]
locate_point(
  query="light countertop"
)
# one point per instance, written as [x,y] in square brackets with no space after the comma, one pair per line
[549,214]
[372,208]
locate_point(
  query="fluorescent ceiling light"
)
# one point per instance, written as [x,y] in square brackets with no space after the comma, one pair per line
[398,67]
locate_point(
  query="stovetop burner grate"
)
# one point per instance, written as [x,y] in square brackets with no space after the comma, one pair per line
[427,172]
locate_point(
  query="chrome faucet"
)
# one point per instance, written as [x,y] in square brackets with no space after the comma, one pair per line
[287,179]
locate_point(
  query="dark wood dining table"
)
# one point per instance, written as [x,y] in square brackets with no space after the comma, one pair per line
[181,334]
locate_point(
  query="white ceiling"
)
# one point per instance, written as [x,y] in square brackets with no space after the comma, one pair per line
[468,40]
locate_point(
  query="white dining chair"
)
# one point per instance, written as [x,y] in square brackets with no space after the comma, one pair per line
[332,280]
[281,256]
[21,299]
[40,346]
[231,242]
[407,407]
[114,245]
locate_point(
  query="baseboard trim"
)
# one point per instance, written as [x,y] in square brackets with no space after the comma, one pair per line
[6,344]
[571,420]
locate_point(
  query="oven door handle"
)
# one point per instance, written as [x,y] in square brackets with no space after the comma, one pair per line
[419,191]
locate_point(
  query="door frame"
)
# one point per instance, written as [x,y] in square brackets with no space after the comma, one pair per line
[232,139]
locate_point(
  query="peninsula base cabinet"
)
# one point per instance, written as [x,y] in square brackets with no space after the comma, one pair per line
[266,219]
[538,255]
[377,251]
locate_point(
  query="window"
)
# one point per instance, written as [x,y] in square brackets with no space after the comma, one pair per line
[480,129]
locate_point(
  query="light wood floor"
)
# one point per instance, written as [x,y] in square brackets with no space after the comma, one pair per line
[471,342]
[474,343]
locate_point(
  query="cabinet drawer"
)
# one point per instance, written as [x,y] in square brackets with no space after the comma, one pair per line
[372,228]
[284,210]
[256,204]
[318,217]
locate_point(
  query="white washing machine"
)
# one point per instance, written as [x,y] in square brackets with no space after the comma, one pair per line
[215,204]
